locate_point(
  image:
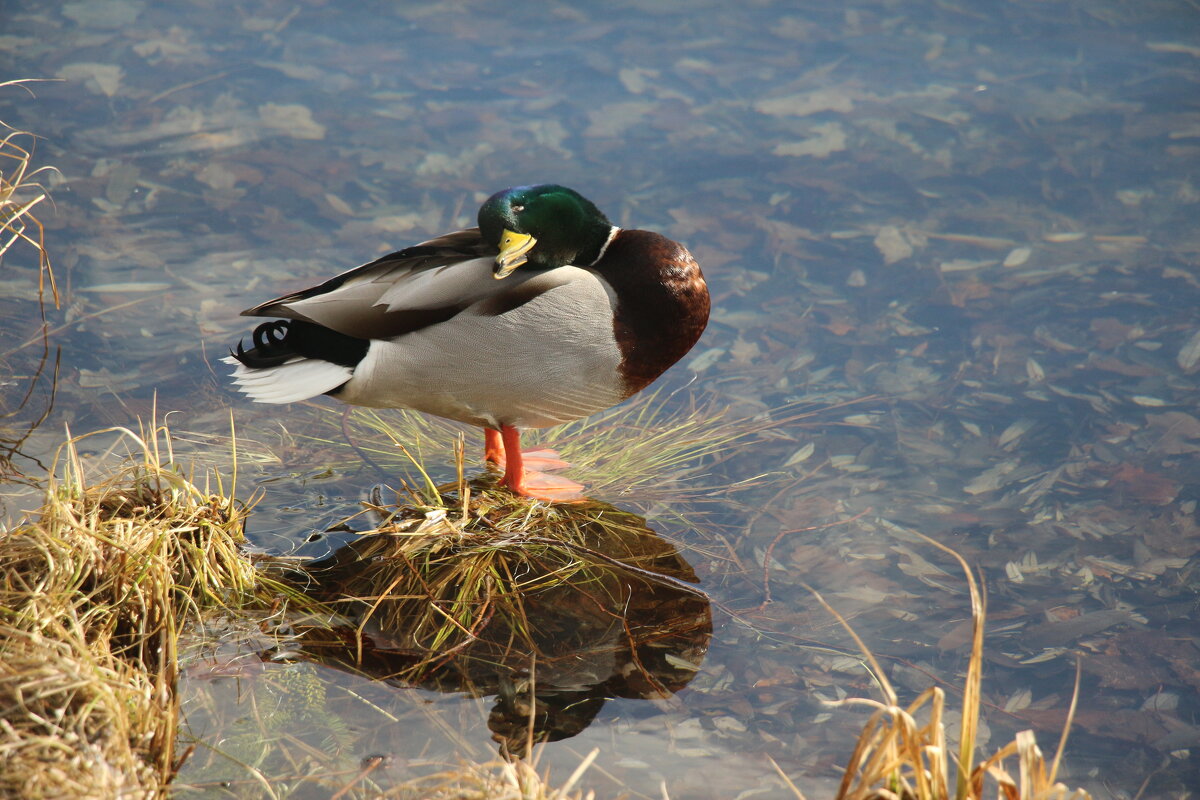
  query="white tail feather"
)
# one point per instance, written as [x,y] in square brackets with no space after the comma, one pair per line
[298,379]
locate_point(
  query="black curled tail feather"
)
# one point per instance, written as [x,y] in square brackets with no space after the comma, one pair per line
[281,340]
[270,346]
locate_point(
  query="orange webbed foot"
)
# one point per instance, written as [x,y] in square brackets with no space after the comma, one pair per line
[520,479]
[551,488]
[543,459]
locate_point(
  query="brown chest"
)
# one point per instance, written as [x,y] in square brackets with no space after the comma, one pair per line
[662,306]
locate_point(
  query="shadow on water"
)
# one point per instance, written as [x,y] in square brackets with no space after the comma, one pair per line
[551,622]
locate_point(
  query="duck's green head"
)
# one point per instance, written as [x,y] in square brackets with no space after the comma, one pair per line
[545,226]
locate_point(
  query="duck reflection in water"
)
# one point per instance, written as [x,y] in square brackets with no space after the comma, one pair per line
[552,626]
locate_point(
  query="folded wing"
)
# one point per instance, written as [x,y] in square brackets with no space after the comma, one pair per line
[401,292]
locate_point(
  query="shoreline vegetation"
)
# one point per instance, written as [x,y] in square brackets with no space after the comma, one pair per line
[98,584]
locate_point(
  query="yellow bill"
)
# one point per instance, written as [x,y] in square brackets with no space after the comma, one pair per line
[513,247]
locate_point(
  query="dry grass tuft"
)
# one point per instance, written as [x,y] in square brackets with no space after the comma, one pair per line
[77,721]
[94,587]
[899,758]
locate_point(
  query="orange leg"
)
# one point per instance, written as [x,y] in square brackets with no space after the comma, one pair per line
[493,447]
[514,460]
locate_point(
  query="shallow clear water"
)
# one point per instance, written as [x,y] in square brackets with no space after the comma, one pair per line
[976,219]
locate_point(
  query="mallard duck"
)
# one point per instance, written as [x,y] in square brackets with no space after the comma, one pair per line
[545,313]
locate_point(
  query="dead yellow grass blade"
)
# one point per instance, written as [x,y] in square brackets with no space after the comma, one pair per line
[897,756]
[20,192]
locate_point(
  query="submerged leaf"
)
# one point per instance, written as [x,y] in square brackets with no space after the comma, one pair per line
[1189,354]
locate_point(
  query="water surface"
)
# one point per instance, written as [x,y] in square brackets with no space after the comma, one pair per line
[975,219]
